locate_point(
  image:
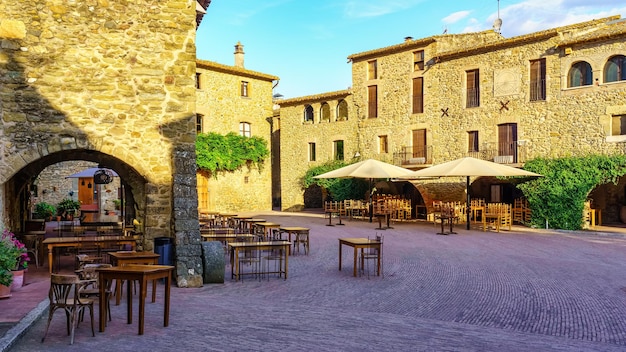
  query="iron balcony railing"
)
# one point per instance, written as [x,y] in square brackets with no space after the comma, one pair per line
[414,156]
[503,153]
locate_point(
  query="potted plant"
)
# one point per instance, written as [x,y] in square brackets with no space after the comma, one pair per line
[44,210]
[13,257]
[67,208]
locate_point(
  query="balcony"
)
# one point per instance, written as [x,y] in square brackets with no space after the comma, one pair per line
[413,157]
[502,153]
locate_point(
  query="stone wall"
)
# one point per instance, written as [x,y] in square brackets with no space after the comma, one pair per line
[111,81]
[222,106]
[570,121]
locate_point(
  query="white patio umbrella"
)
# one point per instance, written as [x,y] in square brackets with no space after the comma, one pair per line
[468,167]
[367,169]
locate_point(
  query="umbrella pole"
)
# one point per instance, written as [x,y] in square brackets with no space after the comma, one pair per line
[371,205]
[468,208]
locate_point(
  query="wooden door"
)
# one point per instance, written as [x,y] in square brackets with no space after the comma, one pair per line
[85,190]
[507,140]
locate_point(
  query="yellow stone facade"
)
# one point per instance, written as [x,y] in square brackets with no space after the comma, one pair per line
[222,107]
[524,101]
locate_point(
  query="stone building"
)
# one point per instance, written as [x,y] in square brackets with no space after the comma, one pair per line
[109,83]
[235,99]
[422,102]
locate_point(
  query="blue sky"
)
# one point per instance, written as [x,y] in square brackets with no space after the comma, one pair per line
[306,43]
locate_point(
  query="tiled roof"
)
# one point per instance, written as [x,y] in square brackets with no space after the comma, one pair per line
[315,98]
[613,29]
[234,70]
[522,39]
[205,5]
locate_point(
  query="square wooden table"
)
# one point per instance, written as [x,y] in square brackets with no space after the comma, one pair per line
[122,258]
[236,247]
[360,243]
[142,274]
[295,230]
[267,229]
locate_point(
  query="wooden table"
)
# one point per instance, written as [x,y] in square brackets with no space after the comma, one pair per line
[446,218]
[236,247]
[360,243]
[295,230]
[76,241]
[267,228]
[248,224]
[143,274]
[126,258]
[224,237]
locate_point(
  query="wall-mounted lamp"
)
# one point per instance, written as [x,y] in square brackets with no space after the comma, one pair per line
[71,193]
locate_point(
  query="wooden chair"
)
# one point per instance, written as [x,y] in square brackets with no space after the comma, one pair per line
[32,247]
[65,294]
[302,238]
[89,274]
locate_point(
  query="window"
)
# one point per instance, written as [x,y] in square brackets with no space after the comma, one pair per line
[618,125]
[419,144]
[507,143]
[538,80]
[615,69]
[325,112]
[418,60]
[473,91]
[308,113]
[199,123]
[372,69]
[244,89]
[342,110]
[198,81]
[472,139]
[580,75]
[244,129]
[382,144]
[372,101]
[338,149]
[418,95]
[311,151]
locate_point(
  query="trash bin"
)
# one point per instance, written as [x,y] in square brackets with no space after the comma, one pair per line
[163,247]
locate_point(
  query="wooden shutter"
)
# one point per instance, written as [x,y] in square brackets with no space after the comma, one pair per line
[372,101]
[473,93]
[507,138]
[419,143]
[418,95]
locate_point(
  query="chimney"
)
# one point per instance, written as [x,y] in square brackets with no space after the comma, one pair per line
[239,55]
[408,39]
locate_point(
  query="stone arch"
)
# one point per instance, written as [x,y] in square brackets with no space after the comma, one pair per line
[580,74]
[615,69]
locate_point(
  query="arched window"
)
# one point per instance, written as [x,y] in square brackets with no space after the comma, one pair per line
[615,69]
[580,75]
[325,112]
[342,110]
[308,113]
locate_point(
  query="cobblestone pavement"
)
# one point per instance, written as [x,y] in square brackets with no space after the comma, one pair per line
[523,290]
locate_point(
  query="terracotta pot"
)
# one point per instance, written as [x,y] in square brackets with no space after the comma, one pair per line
[5,291]
[18,279]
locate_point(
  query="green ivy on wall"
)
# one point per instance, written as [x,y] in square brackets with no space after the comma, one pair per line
[339,188]
[222,153]
[559,197]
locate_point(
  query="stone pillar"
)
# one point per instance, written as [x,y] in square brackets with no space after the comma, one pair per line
[185,217]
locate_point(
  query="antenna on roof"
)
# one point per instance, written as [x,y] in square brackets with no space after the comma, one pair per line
[497,24]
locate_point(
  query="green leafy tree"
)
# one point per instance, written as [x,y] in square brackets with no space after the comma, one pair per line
[226,153]
[559,196]
[339,188]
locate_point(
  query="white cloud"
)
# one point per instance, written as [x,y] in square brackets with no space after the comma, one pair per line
[455,17]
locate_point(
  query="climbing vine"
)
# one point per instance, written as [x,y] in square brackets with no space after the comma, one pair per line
[339,188]
[558,197]
[222,153]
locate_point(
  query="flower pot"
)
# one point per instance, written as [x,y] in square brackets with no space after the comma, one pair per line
[18,279]
[5,291]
